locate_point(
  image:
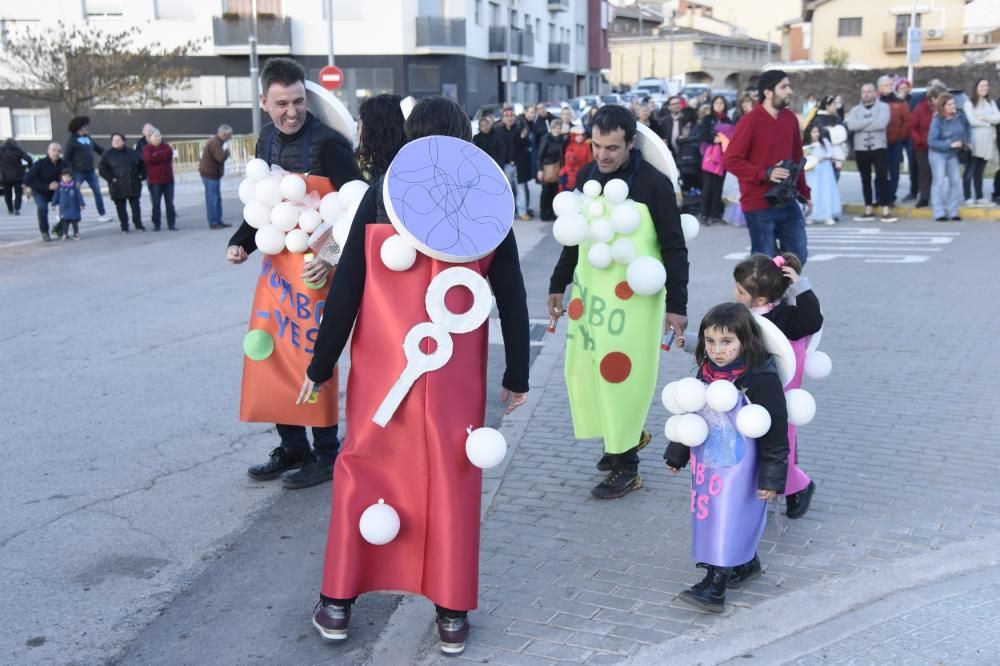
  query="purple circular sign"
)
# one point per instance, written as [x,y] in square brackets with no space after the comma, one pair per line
[448,198]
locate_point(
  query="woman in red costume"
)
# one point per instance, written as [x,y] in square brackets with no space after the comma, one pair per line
[417,462]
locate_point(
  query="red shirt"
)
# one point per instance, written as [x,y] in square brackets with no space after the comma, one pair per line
[159,163]
[920,124]
[759,142]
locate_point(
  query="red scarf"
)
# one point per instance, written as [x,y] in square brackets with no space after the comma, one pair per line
[710,372]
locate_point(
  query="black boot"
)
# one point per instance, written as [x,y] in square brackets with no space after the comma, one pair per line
[605,463]
[710,593]
[278,462]
[314,471]
[797,504]
[746,572]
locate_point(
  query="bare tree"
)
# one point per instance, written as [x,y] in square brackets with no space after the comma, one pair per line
[82,66]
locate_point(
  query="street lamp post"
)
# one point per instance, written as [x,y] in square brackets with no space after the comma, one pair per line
[329,14]
[254,69]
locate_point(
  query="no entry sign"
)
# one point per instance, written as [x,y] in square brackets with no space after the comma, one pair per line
[331,77]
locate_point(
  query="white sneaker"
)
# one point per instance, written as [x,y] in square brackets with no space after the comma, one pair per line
[970,202]
[829,222]
[983,203]
[809,221]
[104,218]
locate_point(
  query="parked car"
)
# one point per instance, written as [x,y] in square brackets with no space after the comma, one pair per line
[694,90]
[493,110]
[918,94]
[612,98]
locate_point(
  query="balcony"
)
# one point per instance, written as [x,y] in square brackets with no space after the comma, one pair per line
[949,39]
[436,34]
[231,35]
[522,45]
[558,5]
[558,55]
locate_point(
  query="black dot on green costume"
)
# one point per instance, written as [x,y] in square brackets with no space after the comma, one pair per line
[258,344]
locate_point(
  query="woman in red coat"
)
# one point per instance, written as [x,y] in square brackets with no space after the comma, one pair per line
[577,154]
[159,159]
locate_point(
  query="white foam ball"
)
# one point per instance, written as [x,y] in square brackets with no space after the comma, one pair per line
[397,254]
[268,192]
[257,169]
[616,191]
[292,187]
[670,428]
[592,189]
[690,394]
[692,430]
[341,229]
[309,220]
[601,230]
[284,216]
[818,365]
[669,398]
[646,276]
[690,226]
[297,241]
[626,218]
[753,421]
[595,209]
[330,207]
[485,447]
[379,524]
[246,191]
[256,214]
[801,407]
[599,255]
[352,193]
[570,229]
[722,395]
[623,251]
[566,203]
[270,239]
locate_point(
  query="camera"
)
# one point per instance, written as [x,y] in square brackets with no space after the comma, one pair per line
[786,192]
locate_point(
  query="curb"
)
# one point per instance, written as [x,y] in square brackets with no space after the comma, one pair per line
[786,616]
[987,214]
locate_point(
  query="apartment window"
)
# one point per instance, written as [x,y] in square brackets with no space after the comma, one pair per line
[581,34]
[479,12]
[245,7]
[552,33]
[849,27]
[527,23]
[513,18]
[494,14]
[175,9]
[239,90]
[538,30]
[102,8]
[425,78]
[31,124]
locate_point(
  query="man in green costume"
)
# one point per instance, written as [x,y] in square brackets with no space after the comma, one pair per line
[613,339]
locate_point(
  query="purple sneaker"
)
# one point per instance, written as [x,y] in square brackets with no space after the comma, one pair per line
[331,621]
[452,631]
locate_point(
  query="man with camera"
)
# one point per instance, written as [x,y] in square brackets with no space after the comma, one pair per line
[765,154]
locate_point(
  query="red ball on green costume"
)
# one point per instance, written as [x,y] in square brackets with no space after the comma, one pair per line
[623,291]
[575,309]
[616,367]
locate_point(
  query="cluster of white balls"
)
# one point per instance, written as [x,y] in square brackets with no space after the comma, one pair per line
[607,223]
[277,205]
[379,523]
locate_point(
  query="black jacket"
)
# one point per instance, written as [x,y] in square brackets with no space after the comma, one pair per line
[762,387]
[799,320]
[79,152]
[44,172]
[328,154]
[513,149]
[487,142]
[550,150]
[652,188]
[124,171]
[13,162]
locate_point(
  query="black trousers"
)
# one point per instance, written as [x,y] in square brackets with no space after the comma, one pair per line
[13,192]
[545,205]
[133,203]
[711,195]
[879,159]
[972,178]
[924,175]
[294,440]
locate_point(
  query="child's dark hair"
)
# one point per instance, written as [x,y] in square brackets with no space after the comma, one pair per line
[66,172]
[761,277]
[736,318]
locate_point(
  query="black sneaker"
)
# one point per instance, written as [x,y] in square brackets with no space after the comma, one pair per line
[605,464]
[797,504]
[923,203]
[331,621]
[956,218]
[452,631]
[618,483]
[744,573]
[314,471]
[279,461]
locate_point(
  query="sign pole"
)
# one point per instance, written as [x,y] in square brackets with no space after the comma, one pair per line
[254,70]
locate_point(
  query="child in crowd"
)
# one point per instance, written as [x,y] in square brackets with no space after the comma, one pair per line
[69,200]
[774,289]
[732,476]
[578,153]
[550,157]
[821,177]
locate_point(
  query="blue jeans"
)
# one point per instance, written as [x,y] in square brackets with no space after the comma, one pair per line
[90,177]
[782,226]
[946,183]
[520,194]
[42,204]
[213,200]
[166,192]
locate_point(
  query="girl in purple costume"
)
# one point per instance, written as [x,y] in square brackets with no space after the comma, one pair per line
[773,289]
[732,476]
